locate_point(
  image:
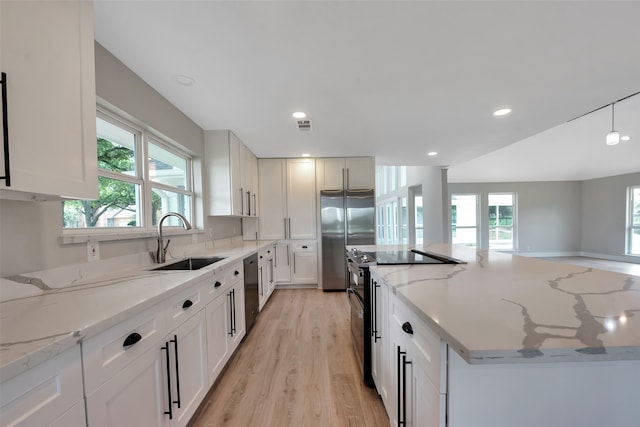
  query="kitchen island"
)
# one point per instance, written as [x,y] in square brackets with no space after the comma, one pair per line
[525,342]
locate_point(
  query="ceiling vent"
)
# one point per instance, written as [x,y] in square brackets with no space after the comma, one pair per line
[304,125]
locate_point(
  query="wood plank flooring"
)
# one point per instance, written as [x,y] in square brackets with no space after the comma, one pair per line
[297,367]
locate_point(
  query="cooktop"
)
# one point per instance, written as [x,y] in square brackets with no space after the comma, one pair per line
[413,256]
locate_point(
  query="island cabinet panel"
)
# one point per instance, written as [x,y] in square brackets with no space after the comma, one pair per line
[380,354]
[585,394]
[46,392]
[47,54]
[418,390]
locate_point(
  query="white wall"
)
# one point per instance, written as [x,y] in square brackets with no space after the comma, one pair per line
[30,231]
[580,217]
[604,215]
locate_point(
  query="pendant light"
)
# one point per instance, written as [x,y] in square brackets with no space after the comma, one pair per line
[613,137]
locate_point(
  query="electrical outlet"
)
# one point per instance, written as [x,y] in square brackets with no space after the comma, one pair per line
[93,251]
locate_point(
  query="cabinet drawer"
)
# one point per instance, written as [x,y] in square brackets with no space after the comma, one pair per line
[215,286]
[105,354]
[305,246]
[184,305]
[234,273]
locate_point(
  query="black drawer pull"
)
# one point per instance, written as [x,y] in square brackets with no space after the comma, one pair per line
[235,273]
[304,247]
[188,303]
[406,326]
[132,339]
[261,257]
[217,285]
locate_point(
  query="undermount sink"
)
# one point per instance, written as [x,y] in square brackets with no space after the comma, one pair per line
[191,263]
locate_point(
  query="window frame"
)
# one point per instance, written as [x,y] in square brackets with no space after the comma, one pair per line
[630,225]
[476,227]
[514,225]
[143,137]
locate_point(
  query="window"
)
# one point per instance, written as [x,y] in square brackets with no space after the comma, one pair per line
[133,192]
[501,221]
[417,214]
[404,221]
[633,236]
[464,219]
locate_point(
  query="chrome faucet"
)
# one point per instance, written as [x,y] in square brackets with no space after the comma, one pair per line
[162,251]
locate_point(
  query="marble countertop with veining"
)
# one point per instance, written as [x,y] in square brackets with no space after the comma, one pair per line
[503,308]
[44,313]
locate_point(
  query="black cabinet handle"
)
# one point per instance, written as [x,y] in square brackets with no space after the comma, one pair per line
[268,252]
[175,347]
[402,386]
[304,247]
[188,303]
[132,339]
[170,411]
[235,273]
[5,132]
[261,257]
[217,285]
[233,323]
[406,326]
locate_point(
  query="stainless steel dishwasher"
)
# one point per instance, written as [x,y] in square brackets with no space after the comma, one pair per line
[250,291]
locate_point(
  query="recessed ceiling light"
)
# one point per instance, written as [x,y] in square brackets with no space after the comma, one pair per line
[184,80]
[299,115]
[625,138]
[502,112]
[432,153]
[306,155]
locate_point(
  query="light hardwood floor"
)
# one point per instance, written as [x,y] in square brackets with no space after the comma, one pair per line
[296,368]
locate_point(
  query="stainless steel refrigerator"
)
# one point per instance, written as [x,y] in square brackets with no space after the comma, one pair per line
[348,218]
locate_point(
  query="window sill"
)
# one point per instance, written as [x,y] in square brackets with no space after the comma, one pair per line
[74,237]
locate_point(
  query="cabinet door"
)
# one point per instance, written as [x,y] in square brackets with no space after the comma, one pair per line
[217,313]
[331,173]
[237,182]
[360,173]
[136,396]
[44,392]
[380,338]
[301,199]
[282,263]
[47,53]
[272,200]
[236,309]
[188,354]
[305,267]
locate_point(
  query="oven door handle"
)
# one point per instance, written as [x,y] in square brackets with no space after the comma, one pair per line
[354,301]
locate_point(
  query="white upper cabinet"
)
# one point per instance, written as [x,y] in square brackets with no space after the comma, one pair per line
[231,173]
[288,198]
[47,54]
[351,173]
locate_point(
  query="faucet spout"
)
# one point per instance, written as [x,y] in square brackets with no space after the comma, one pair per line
[162,250]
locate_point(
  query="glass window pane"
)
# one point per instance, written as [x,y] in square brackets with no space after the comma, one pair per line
[115,207]
[167,168]
[636,206]
[501,221]
[116,148]
[163,201]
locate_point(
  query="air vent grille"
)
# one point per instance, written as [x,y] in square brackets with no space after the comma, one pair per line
[304,125]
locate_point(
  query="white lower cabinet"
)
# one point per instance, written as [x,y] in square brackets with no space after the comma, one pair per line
[49,391]
[186,378]
[218,321]
[265,275]
[418,386]
[135,396]
[380,354]
[296,262]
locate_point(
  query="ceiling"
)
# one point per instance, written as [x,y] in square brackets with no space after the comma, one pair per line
[397,79]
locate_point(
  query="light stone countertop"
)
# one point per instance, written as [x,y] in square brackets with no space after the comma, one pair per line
[503,308]
[44,313]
